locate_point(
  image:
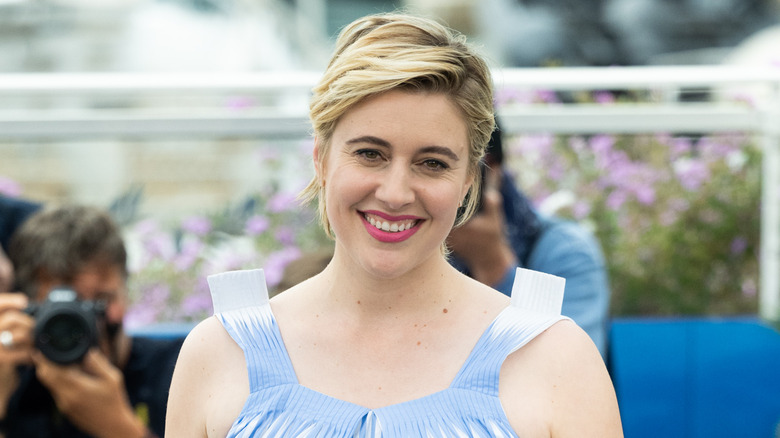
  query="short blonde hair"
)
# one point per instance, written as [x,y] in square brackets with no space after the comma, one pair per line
[385,52]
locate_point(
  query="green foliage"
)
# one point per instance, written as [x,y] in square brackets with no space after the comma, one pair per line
[677,217]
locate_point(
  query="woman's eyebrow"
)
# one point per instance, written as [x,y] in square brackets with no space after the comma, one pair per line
[441,150]
[369,139]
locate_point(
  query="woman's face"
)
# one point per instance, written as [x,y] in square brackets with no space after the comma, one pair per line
[395,175]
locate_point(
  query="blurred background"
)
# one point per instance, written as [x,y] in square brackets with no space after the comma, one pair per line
[188,119]
[168,110]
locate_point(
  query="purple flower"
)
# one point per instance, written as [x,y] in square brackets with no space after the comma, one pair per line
[190,251]
[604,97]
[9,187]
[196,304]
[285,235]
[616,199]
[744,97]
[505,96]
[281,202]
[256,225]
[537,144]
[197,225]
[547,96]
[581,209]
[675,207]
[680,146]
[139,316]
[645,194]
[277,261]
[156,243]
[691,173]
[602,144]
[240,102]
[555,170]
[738,245]
[578,144]
[715,148]
[148,307]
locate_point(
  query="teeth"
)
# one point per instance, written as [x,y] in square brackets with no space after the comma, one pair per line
[387,226]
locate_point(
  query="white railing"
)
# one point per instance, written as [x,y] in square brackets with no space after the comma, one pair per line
[144,106]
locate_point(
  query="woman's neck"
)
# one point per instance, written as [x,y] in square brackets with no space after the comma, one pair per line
[429,287]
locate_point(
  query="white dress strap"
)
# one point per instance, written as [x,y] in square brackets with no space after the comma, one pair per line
[238,289]
[538,292]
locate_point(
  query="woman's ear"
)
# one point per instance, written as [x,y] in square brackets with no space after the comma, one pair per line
[466,187]
[316,157]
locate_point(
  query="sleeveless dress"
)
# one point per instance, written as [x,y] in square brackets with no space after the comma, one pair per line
[278,406]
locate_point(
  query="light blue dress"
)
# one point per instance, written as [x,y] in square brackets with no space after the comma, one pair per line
[278,406]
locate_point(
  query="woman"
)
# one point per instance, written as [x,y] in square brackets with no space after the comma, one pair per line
[390,340]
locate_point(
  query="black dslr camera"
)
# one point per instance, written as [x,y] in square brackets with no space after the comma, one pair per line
[66,327]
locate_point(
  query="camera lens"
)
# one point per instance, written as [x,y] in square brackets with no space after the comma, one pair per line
[66,327]
[65,337]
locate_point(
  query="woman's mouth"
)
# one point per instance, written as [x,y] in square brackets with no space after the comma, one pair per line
[388,225]
[388,229]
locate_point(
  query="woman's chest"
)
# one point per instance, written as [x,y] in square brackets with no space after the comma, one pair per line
[376,371]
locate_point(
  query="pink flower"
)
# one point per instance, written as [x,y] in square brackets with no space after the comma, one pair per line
[256,225]
[277,261]
[738,245]
[197,225]
[281,202]
[9,187]
[604,97]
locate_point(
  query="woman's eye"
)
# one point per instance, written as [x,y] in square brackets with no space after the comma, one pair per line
[435,164]
[369,154]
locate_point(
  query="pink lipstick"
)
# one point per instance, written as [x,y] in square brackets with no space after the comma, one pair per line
[389,229]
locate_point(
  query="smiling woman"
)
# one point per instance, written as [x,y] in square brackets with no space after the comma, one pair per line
[399,160]
[389,339]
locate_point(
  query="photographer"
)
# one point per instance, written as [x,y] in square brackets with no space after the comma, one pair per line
[508,233]
[119,387]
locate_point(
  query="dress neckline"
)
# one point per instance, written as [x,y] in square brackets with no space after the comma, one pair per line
[464,366]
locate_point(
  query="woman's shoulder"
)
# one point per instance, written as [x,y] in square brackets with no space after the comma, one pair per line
[561,366]
[208,339]
[563,343]
[209,390]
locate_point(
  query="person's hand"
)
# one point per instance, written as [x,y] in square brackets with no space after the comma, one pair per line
[6,272]
[481,242]
[16,343]
[91,395]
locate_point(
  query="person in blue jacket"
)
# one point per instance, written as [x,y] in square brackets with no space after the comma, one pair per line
[13,212]
[509,232]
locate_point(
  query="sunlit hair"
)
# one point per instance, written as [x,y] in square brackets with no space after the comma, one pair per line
[60,241]
[385,52]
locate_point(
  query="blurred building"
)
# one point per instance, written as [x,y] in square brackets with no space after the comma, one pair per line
[233,36]
[531,33]
[154,35]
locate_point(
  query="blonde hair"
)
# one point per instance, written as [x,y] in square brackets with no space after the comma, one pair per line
[385,52]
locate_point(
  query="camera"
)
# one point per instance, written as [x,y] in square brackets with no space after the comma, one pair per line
[65,326]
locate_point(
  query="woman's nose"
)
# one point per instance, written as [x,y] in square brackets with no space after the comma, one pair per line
[395,188]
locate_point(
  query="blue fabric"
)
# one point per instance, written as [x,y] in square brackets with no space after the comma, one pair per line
[561,248]
[564,249]
[569,251]
[279,406]
[13,212]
